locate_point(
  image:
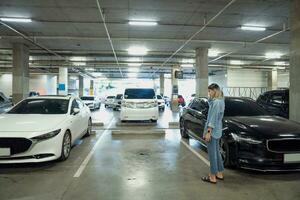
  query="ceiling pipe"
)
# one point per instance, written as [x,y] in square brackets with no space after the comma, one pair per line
[108,35]
[199,31]
[34,42]
[250,44]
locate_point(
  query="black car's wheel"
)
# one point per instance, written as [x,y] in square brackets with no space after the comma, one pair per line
[66,146]
[227,154]
[183,131]
[89,129]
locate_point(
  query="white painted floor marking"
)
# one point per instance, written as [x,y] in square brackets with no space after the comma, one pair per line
[196,153]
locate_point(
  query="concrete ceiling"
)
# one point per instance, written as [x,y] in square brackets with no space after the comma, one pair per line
[75,28]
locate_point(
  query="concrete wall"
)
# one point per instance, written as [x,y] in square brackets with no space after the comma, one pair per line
[246,78]
[44,84]
[283,79]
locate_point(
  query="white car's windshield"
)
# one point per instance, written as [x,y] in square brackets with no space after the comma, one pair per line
[139,94]
[41,106]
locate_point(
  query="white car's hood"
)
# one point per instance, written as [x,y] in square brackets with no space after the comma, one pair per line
[30,122]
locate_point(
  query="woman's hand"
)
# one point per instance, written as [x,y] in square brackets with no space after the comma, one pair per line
[207,137]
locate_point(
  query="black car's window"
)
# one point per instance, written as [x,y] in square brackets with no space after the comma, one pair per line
[139,94]
[159,97]
[243,107]
[277,98]
[196,105]
[110,97]
[263,97]
[119,96]
[41,106]
[203,105]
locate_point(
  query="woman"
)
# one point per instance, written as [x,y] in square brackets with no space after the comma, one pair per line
[213,133]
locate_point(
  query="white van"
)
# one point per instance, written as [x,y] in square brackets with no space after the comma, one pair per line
[139,104]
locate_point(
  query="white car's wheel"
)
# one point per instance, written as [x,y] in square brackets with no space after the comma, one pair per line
[66,146]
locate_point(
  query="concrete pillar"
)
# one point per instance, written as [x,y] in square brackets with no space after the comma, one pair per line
[201,70]
[273,79]
[174,97]
[162,84]
[295,60]
[20,72]
[63,81]
[92,87]
[81,88]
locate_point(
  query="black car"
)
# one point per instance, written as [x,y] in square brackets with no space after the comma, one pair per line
[276,102]
[5,103]
[252,138]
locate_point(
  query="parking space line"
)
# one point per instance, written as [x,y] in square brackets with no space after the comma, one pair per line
[89,156]
[195,152]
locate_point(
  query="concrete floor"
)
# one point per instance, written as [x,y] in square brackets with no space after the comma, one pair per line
[138,167]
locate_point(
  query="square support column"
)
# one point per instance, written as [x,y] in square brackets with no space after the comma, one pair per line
[20,72]
[273,79]
[162,84]
[295,60]
[63,81]
[81,88]
[174,97]
[201,70]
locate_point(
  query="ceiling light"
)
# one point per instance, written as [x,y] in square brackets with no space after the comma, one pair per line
[97,74]
[89,69]
[78,58]
[135,64]
[282,63]
[10,19]
[134,59]
[273,55]
[167,75]
[236,62]
[133,69]
[187,65]
[137,51]
[79,63]
[252,28]
[188,61]
[142,23]
[132,75]
[213,53]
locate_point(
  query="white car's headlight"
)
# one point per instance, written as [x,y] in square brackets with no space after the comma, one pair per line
[47,135]
[245,139]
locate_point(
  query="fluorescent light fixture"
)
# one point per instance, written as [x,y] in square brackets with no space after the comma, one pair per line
[14,19]
[133,69]
[167,75]
[142,23]
[235,67]
[213,53]
[97,74]
[236,62]
[253,28]
[89,69]
[188,61]
[134,59]
[135,64]
[132,75]
[273,55]
[79,63]
[78,58]
[187,65]
[135,50]
[281,63]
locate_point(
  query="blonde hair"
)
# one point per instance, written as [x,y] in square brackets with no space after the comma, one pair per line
[218,92]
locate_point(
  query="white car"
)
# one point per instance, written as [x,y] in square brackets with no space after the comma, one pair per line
[161,103]
[43,128]
[139,104]
[109,101]
[92,102]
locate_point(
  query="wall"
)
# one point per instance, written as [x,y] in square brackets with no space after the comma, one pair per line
[246,78]
[219,78]
[44,84]
[283,79]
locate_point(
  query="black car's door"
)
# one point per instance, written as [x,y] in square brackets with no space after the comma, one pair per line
[275,103]
[199,113]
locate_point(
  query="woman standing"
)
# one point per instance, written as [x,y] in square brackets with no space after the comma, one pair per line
[213,133]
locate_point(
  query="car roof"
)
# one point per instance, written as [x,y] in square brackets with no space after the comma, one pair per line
[276,91]
[230,98]
[67,97]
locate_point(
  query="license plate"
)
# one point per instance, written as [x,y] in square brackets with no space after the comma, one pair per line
[4,151]
[292,158]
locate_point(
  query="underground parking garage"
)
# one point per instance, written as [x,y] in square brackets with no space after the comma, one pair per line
[106,99]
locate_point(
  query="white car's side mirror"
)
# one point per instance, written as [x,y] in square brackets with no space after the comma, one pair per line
[76,111]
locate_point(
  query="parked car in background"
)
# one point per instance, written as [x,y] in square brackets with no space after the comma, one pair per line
[117,102]
[43,128]
[92,102]
[109,101]
[276,102]
[139,104]
[167,100]
[181,101]
[5,103]
[33,94]
[252,138]
[161,102]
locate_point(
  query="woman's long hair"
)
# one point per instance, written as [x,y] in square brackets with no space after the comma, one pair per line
[218,92]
